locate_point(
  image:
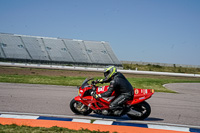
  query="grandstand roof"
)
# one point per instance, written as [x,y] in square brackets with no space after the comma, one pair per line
[47,49]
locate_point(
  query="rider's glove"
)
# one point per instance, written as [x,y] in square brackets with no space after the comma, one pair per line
[99,81]
[97,96]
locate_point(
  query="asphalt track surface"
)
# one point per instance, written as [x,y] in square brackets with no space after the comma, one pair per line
[179,108]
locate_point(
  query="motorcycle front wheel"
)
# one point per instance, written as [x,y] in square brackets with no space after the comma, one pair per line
[143,109]
[79,108]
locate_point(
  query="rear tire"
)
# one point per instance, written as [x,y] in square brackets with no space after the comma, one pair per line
[75,106]
[144,108]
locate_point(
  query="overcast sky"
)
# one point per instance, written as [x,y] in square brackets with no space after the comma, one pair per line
[163,31]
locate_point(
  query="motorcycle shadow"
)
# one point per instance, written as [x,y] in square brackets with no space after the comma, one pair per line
[123,118]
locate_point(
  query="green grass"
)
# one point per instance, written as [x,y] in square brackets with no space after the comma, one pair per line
[38,79]
[27,129]
[138,82]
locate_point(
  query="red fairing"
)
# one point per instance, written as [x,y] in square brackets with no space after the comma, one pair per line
[77,98]
[141,95]
[102,89]
[104,102]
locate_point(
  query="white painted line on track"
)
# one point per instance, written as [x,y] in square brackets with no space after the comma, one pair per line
[50,115]
[103,122]
[169,127]
[18,116]
[81,120]
[154,125]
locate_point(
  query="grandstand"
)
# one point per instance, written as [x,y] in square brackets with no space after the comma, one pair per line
[32,49]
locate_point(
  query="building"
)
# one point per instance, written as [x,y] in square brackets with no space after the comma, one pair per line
[36,49]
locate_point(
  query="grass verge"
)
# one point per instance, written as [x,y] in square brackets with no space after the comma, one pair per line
[27,129]
[158,68]
[137,82]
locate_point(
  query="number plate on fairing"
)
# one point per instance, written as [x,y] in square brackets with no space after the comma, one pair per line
[102,89]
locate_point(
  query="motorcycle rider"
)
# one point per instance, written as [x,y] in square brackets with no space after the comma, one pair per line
[119,84]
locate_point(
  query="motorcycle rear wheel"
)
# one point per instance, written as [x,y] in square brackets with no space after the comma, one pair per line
[78,108]
[143,108]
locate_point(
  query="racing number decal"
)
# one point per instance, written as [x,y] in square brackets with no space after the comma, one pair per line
[101,89]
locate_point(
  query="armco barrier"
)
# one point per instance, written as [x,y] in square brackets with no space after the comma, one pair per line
[72,123]
[95,69]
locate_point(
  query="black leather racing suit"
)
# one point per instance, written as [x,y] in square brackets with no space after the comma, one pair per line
[122,88]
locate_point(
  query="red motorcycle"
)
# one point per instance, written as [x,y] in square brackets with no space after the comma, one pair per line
[85,103]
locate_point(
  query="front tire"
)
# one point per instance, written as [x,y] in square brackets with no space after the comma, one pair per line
[143,108]
[79,108]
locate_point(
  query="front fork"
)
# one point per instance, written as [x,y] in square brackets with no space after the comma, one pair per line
[78,98]
[82,106]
